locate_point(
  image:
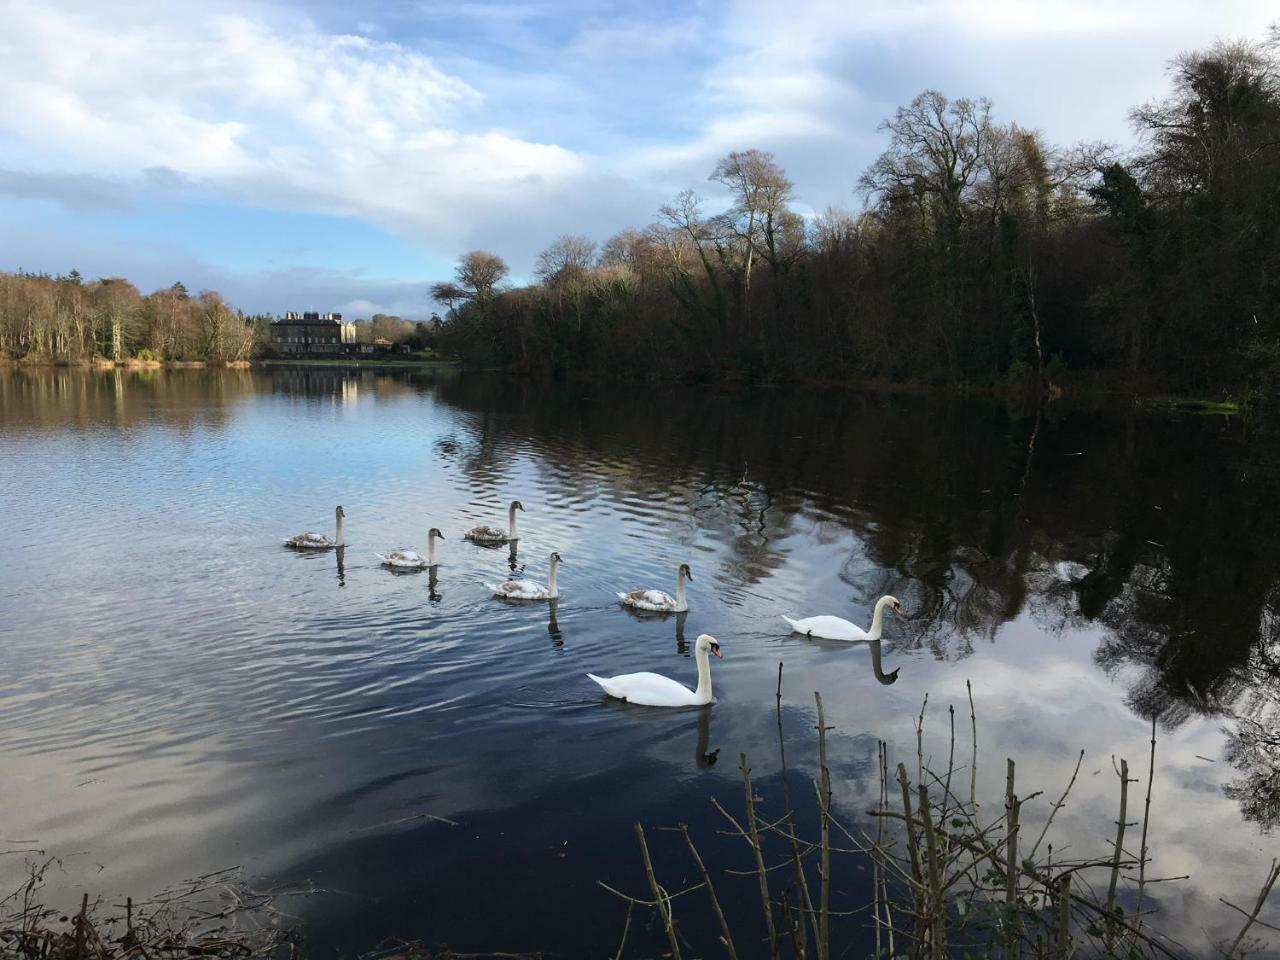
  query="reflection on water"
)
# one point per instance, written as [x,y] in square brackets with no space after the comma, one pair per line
[179,691]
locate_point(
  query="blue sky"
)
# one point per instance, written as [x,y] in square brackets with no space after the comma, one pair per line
[341,156]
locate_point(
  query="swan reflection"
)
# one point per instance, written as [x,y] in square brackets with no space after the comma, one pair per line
[704,758]
[553,627]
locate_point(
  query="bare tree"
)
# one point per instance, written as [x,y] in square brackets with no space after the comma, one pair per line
[935,156]
[480,274]
[566,261]
[760,191]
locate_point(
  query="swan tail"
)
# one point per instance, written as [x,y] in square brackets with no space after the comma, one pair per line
[604,685]
[623,598]
[793,624]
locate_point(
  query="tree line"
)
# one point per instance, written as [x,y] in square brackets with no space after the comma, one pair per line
[983,254]
[67,319]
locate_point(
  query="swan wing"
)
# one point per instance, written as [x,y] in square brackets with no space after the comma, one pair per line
[403,558]
[647,689]
[309,540]
[648,600]
[519,590]
[829,628]
[484,532]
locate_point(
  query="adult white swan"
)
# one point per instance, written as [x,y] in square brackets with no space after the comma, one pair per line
[487,534]
[529,589]
[318,541]
[837,628]
[411,559]
[655,690]
[658,601]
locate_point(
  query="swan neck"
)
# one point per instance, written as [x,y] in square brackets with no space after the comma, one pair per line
[703,692]
[681,603]
[340,538]
[511,520]
[552,589]
[877,621]
[431,549]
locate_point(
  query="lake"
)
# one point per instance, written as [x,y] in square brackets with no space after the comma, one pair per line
[181,693]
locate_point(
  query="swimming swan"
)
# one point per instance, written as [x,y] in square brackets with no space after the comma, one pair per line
[529,589]
[655,690]
[487,534]
[410,559]
[836,628]
[318,541]
[657,600]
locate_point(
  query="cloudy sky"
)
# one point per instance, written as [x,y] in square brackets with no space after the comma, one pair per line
[340,156]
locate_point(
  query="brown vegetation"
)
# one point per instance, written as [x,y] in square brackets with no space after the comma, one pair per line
[985,255]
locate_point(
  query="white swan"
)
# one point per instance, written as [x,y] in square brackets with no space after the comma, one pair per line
[411,559]
[655,690]
[487,534]
[657,600]
[529,589]
[318,541]
[836,628]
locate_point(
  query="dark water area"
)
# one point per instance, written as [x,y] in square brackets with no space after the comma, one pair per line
[180,693]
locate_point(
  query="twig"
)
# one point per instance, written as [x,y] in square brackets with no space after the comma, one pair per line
[725,936]
[1120,825]
[824,800]
[659,895]
[797,866]
[626,927]
[1056,807]
[973,767]
[754,839]
[1146,820]
[1011,864]
[1272,875]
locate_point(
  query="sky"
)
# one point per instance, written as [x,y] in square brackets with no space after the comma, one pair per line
[336,156]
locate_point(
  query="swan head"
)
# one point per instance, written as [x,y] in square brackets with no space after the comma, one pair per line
[340,512]
[709,643]
[893,603]
[555,557]
[684,568]
[517,505]
[435,532]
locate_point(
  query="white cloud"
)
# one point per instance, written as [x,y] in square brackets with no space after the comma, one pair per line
[335,123]
[529,120]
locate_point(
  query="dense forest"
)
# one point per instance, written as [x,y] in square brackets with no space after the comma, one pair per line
[983,255]
[67,319]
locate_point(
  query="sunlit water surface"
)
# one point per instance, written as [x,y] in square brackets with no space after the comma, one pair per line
[181,693]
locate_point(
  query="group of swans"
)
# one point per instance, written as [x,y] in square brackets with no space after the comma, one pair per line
[645,689]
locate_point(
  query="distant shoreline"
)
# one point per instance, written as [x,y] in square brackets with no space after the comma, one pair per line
[1074,388]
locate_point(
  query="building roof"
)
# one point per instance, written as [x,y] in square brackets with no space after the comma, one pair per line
[308,317]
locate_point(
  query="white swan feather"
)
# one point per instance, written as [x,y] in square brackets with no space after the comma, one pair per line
[484,533]
[658,600]
[837,628]
[529,589]
[318,541]
[655,690]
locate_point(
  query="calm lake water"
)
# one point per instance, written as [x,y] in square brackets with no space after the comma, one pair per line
[180,693]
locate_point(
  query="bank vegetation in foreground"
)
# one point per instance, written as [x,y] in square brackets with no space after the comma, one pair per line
[950,875]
